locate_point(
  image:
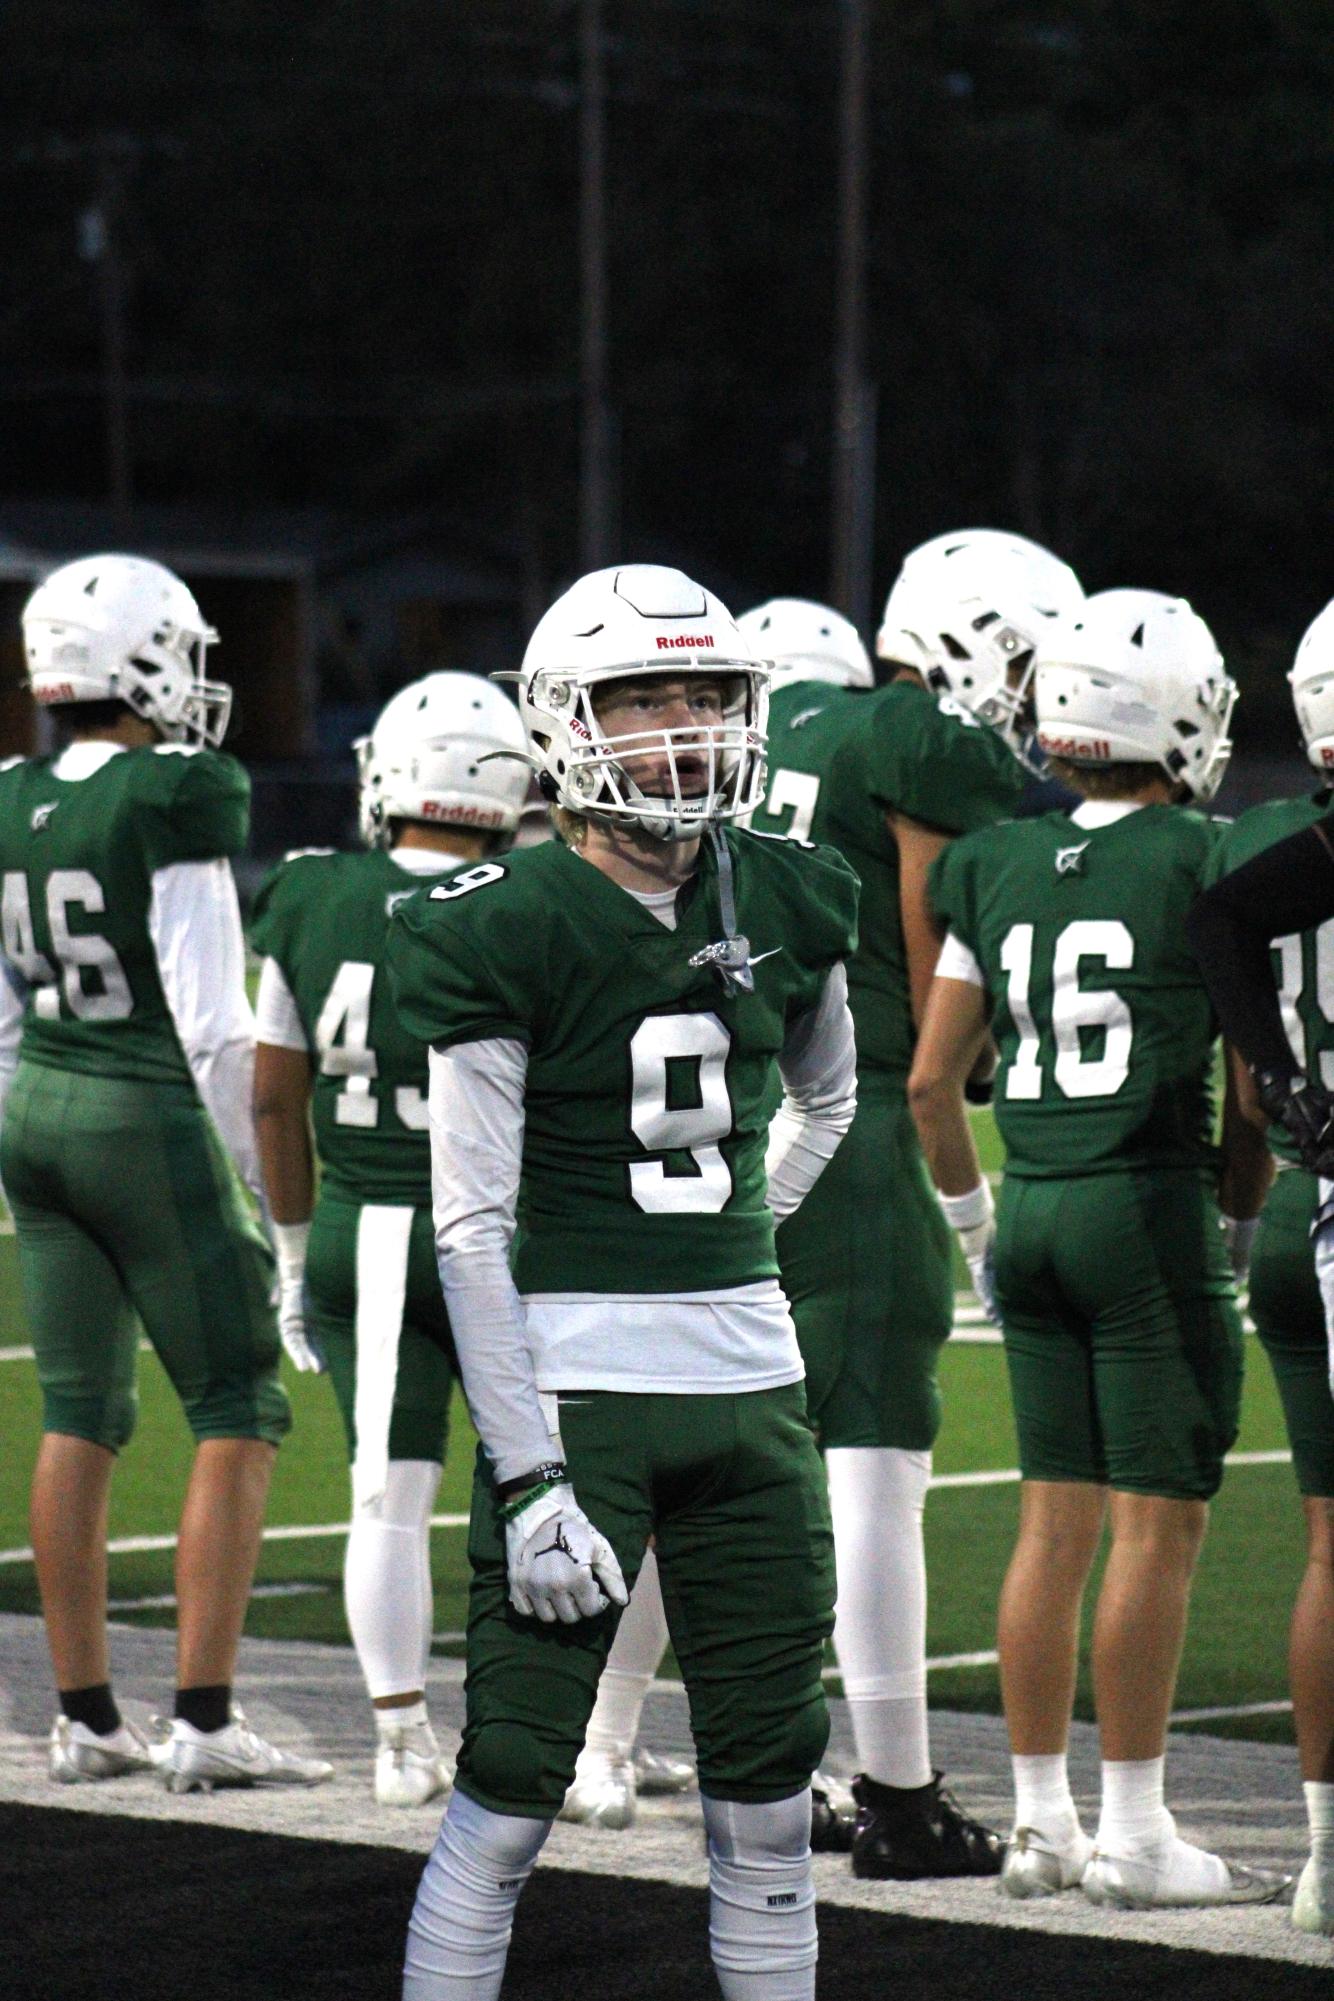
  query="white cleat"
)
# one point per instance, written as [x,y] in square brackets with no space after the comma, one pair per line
[1037,1867]
[78,1756]
[195,1761]
[410,1767]
[1313,1903]
[602,1795]
[1176,1874]
[657,1774]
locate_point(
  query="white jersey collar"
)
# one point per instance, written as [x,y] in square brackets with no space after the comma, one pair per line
[81,760]
[1093,813]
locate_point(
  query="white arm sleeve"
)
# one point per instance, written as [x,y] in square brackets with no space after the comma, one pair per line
[13,995]
[819,1070]
[195,924]
[475,1108]
[276,1019]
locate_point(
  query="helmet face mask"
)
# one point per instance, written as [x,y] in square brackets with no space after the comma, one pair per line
[645,633]
[968,612]
[122,628]
[1312,680]
[1137,678]
[446,751]
[807,642]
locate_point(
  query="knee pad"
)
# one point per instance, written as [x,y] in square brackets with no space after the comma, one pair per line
[509,1764]
[761,1896]
[108,1421]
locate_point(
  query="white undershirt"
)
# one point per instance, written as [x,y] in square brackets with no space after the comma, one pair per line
[957,961]
[194,922]
[689,1343]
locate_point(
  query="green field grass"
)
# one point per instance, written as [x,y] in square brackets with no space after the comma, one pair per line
[1235,1653]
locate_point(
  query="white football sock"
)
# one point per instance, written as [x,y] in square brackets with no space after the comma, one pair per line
[387,1579]
[876,1498]
[1320,1813]
[405,1716]
[1134,1817]
[459,1932]
[637,1650]
[1042,1797]
[762,1899]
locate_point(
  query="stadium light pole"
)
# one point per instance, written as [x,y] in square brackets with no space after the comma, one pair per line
[853,484]
[595,427]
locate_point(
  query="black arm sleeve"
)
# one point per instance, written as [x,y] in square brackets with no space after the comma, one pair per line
[1289,887]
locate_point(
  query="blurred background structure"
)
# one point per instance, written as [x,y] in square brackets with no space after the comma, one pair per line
[380,323]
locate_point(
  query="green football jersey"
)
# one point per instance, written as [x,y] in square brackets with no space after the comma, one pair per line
[77,859]
[1304,960]
[324,917]
[1103,1024]
[647,1092]
[839,760]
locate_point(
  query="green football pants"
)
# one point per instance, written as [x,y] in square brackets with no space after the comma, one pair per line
[1121,1330]
[126,1205]
[1290,1320]
[424,1363]
[732,1490]
[866,1268]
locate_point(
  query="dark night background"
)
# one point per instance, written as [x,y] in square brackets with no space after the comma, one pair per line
[1100,283]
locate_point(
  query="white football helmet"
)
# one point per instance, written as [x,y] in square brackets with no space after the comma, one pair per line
[1312,679]
[642,619]
[807,642]
[1136,677]
[447,750]
[968,610]
[122,628]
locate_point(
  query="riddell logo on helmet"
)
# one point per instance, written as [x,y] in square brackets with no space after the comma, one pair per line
[1074,746]
[54,691]
[460,816]
[696,642]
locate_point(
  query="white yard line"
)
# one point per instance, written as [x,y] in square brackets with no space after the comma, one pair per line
[1235,1709]
[162,1601]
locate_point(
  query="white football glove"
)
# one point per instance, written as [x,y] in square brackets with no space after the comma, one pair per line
[974,1217]
[1239,1236]
[560,1566]
[289,1243]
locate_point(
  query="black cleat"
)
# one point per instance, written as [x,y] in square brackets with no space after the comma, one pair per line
[832,1823]
[905,1833]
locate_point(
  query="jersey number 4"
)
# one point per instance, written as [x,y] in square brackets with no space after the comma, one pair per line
[680,1104]
[1073,1010]
[342,1036]
[91,977]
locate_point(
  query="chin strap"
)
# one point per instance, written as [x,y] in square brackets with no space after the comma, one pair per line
[730,956]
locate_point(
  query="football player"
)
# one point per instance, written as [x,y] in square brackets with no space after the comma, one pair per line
[605,1015]
[890,777]
[1108,1259]
[1285,1296]
[442,781]
[126,1048]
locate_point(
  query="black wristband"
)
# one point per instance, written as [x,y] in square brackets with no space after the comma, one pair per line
[549,1474]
